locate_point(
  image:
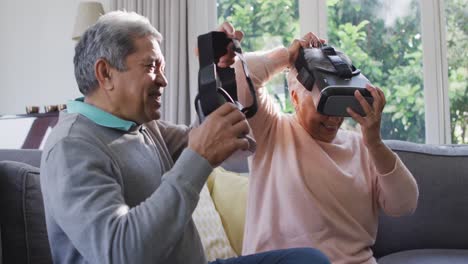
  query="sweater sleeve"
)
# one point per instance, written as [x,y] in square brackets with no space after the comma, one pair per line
[262,67]
[397,190]
[174,136]
[83,194]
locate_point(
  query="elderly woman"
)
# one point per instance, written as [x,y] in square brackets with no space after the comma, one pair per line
[313,184]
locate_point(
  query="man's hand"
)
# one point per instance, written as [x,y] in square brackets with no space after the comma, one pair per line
[370,124]
[220,135]
[308,41]
[228,59]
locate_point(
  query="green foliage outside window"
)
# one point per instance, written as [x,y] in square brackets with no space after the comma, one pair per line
[390,56]
[457,46]
[266,24]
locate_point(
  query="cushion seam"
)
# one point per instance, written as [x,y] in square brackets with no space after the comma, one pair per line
[428,154]
[24,173]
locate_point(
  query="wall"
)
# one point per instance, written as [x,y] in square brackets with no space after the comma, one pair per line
[36,53]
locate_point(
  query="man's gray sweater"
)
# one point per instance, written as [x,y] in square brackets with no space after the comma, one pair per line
[114,196]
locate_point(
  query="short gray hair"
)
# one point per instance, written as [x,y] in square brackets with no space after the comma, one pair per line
[295,85]
[112,39]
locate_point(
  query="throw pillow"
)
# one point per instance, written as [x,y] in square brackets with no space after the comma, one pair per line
[229,194]
[210,229]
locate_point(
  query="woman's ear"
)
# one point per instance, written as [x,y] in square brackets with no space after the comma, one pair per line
[295,99]
[103,72]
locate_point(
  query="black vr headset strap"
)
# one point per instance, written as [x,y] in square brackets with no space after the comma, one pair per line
[304,76]
[218,85]
[343,69]
[248,111]
[207,99]
[211,47]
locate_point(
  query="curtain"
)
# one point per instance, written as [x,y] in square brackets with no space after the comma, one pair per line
[180,22]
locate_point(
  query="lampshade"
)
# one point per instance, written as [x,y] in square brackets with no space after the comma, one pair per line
[88,14]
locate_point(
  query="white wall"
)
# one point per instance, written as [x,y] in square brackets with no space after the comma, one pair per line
[36,53]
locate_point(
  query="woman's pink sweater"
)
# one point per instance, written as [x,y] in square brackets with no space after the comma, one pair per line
[308,193]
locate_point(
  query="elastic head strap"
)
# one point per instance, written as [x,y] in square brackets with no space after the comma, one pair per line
[304,76]
[343,69]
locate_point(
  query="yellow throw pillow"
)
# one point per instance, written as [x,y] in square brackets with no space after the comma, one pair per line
[211,231]
[229,194]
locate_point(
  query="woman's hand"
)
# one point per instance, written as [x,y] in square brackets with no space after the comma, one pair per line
[370,124]
[228,59]
[308,41]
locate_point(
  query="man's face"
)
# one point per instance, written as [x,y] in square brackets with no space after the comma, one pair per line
[138,90]
[320,127]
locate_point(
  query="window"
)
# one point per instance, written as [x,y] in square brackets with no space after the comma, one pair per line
[391,41]
[383,39]
[457,45]
[266,24]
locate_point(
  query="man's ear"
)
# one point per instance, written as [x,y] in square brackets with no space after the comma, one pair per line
[102,70]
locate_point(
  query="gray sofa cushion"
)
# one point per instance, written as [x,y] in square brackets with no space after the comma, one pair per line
[427,256]
[22,220]
[440,220]
[28,156]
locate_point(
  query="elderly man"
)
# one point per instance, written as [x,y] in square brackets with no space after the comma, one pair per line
[119,185]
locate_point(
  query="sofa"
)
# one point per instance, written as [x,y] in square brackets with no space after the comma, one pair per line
[437,232]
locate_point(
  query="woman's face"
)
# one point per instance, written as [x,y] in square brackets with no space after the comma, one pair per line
[319,127]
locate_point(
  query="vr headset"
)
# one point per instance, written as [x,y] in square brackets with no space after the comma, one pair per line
[216,85]
[335,77]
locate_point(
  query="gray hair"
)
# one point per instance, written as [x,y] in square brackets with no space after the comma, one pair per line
[295,85]
[111,38]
